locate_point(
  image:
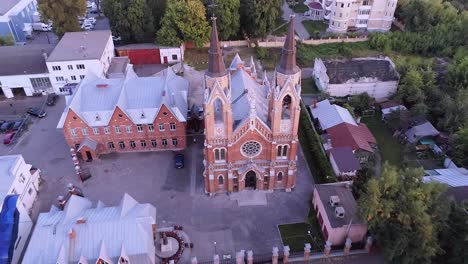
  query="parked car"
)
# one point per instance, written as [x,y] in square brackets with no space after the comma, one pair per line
[52,99]
[87,26]
[114,38]
[92,20]
[36,112]
[179,161]
[9,138]
[6,126]
[17,125]
[93,11]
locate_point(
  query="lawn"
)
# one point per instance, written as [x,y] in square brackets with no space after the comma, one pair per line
[299,7]
[390,149]
[197,58]
[309,87]
[314,26]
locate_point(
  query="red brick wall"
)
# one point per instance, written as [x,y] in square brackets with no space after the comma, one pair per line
[120,119]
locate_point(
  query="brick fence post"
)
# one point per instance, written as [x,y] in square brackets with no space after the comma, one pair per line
[240,257]
[369,242]
[194,260]
[274,258]
[347,247]
[250,257]
[307,248]
[328,245]
[216,259]
[286,254]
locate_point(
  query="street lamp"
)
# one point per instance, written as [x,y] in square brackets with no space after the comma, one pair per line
[215,246]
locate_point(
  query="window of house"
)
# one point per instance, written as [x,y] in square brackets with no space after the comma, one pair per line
[365,3]
[220,180]
[21,178]
[77,146]
[349,4]
[129,129]
[73,131]
[174,141]
[154,143]
[111,145]
[122,144]
[164,142]
[80,66]
[30,191]
[117,129]
[333,23]
[101,261]
[132,144]
[42,83]
[84,131]
[82,77]
[220,154]
[56,68]
[73,77]
[95,130]
[342,5]
[150,128]
[143,143]
[59,79]
[161,127]
[122,260]
[280,176]
[341,14]
[106,130]
[282,151]
[172,126]
[139,128]
[174,57]
[70,67]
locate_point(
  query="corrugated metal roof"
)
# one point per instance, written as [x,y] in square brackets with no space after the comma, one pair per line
[7,163]
[453,177]
[331,115]
[104,227]
[423,130]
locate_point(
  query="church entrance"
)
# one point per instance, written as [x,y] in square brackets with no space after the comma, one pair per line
[251,180]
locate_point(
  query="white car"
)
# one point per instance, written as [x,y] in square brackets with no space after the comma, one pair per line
[114,38]
[92,20]
[88,4]
[87,26]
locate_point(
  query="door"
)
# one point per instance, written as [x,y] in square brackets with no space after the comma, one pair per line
[251,180]
[89,157]
[165,60]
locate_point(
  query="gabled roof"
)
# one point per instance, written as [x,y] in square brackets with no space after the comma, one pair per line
[345,159]
[330,115]
[425,129]
[105,232]
[357,137]
[453,177]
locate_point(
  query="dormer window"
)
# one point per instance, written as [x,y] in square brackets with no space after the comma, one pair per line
[101,261]
[97,117]
[142,116]
[123,260]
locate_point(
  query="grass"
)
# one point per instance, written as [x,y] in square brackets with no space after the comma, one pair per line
[299,7]
[314,26]
[197,58]
[309,87]
[390,149]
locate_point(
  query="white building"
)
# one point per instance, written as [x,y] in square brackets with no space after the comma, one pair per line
[78,53]
[23,70]
[149,53]
[16,17]
[21,180]
[375,76]
[371,15]
[82,233]
[330,115]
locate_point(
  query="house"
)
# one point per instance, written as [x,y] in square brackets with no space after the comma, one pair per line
[329,115]
[126,113]
[77,54]
[336,211]
[343,162]
[19,185]
[358,138]
[316,11]
[388,110]
[149,53]
[83,233]
[16,17]
[453,176]
[23,70]
[347,15]
[418,132]
[375,76]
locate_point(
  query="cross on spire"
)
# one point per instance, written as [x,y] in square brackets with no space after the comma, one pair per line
[212,6]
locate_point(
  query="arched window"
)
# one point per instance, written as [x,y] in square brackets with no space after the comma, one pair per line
[282,151]
[286,107]
[220,154]
[218,111]
[280,176]
[285,151]
[220,180]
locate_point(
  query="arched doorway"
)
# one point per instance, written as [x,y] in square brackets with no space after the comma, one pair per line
[251,180]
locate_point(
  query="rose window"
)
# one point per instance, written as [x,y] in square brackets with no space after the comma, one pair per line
[251,149]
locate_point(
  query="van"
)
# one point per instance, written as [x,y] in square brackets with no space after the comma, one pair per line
[41,27]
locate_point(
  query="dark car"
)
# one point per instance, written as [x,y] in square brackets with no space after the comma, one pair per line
[9,138]
[17,125]
[6,126]
[179,161]
[37,112]
[52,99]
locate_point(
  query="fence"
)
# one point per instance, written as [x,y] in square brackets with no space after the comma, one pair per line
[278,44]
[231,43]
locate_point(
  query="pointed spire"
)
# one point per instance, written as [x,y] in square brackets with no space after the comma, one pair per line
[288,55]
[216,67]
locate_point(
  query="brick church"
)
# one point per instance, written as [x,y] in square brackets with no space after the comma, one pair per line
[251,123]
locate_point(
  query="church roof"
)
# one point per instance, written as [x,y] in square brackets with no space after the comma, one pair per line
[216,65]
[288,55]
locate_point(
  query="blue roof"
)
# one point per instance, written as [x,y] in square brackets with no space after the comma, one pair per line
[9,221]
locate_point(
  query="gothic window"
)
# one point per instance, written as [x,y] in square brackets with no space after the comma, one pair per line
[282,151]
[220,180]
[251,149]
[220,154]
[280,176]
[286,107]
[218,111]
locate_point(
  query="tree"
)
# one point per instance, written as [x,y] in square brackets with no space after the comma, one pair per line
[258,17]
[227,12]
[405,214]
[63,13]
[184,21]
[359,184]
[361,102]
[7,40]
[410,91]
[460,145]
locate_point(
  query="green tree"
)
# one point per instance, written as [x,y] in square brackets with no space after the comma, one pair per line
[140,20]
[457,75]
[63,13]
[7,40]
[258,17]
[460,146]
[410,91]
[227,12]
[184,21]
[405,214]
[359,184]
[361,102]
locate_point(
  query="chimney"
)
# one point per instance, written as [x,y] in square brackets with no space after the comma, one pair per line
[71,250]
[80,221]
[315,103]
[339,212]
[334,200]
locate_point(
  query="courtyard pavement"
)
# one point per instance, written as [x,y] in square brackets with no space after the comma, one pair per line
[301,31]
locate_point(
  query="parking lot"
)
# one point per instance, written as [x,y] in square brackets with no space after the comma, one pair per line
[177,194]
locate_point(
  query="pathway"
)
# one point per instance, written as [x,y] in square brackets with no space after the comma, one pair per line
[300,29]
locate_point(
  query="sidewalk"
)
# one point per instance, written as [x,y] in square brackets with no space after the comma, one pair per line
[300,29]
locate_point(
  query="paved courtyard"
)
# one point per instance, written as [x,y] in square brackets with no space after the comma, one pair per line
[177,194]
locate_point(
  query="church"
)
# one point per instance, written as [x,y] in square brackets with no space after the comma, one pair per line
[251,123]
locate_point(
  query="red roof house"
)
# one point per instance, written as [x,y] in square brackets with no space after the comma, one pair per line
[347,135]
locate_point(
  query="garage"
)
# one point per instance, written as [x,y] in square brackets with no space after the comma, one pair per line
[18,92]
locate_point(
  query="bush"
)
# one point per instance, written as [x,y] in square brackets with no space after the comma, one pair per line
[262,53]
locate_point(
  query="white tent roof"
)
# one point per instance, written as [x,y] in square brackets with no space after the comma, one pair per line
[331,115]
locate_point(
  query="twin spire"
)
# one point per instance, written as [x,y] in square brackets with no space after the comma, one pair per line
[216,67]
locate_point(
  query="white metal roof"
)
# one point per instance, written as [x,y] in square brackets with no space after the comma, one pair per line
[423,130]
[83,45]
[453,177]
[331,115]
[7,177]
[387,111]
[105,231]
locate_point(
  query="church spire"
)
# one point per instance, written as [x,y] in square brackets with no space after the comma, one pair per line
[216,66]
[288,55]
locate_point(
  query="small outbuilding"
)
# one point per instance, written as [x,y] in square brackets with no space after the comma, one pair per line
[148,53]
[424,130]
[343,162]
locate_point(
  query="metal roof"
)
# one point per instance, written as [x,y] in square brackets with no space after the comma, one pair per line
[345,159]
[7,176]
[425,129]
[331,115]
[6,5]
[103,232]
[26,59]
[453,177]
[83,45]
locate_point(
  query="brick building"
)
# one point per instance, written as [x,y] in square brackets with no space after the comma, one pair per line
[251,123]
[126,113]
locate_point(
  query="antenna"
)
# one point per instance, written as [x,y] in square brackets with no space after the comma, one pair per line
[212,6]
